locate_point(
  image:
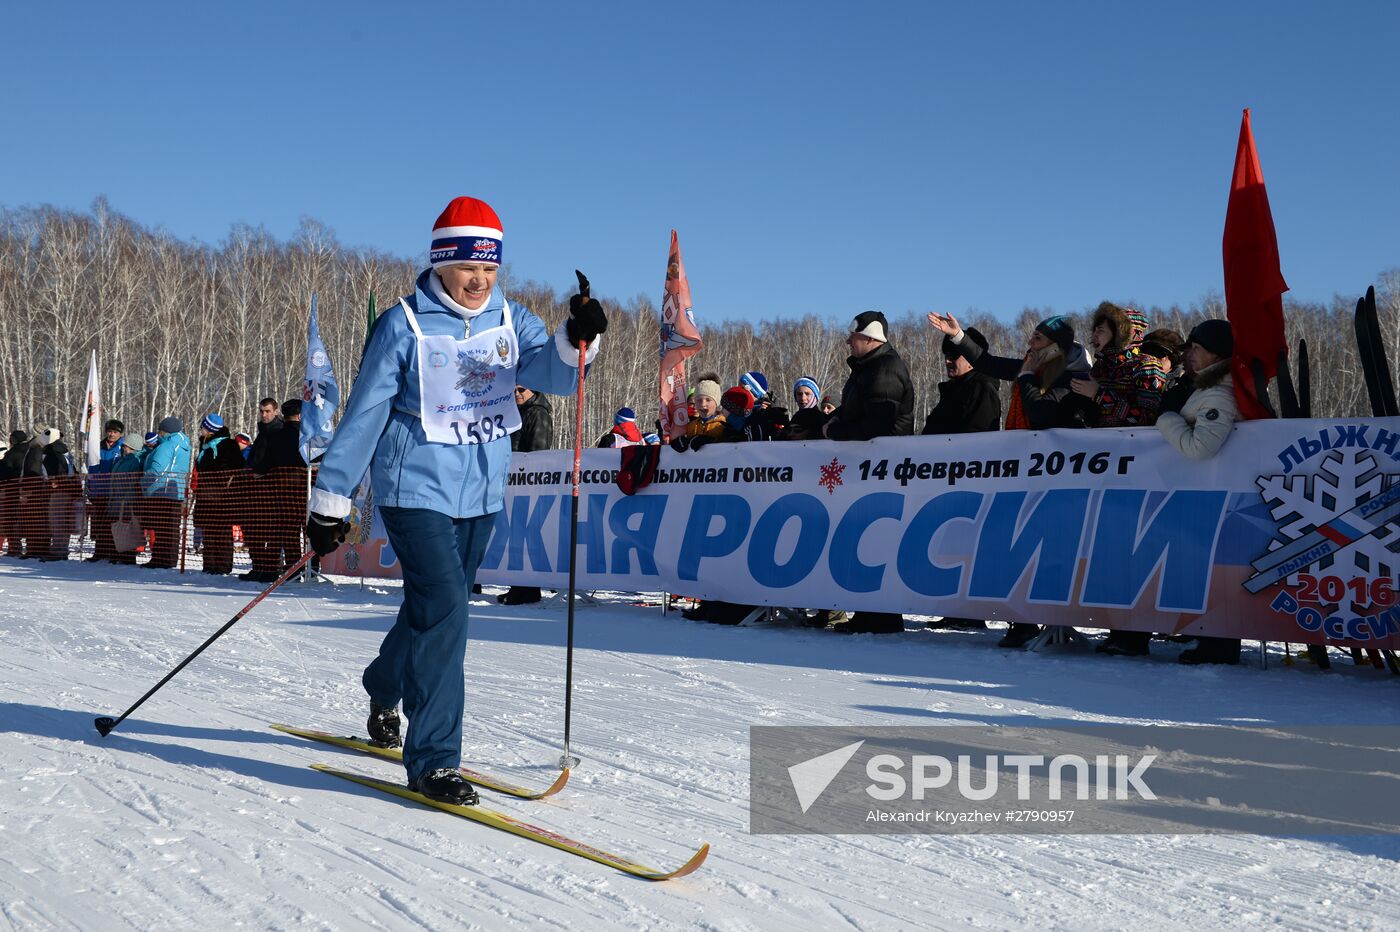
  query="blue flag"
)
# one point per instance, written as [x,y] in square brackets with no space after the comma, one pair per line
[320,395]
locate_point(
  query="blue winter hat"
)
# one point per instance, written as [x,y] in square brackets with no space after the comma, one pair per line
[212,422]
[171,425]
[151,439]
[625,416]
[811,385]
[756,384]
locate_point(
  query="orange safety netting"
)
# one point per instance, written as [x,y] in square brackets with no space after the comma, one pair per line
[217,522]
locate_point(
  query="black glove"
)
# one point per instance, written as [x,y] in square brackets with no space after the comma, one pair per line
[698,441]
[586,317]
[325,534]
[681,444]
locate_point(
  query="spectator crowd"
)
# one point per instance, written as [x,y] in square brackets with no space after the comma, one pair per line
[136,497]
[1126,375]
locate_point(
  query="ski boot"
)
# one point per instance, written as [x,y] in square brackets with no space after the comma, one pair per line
[383,726]
[445,785]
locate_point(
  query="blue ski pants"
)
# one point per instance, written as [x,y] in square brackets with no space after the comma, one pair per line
[422,657]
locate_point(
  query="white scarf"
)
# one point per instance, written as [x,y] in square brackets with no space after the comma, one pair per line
[439,292]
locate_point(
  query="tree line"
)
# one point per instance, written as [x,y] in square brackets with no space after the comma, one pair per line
[183,327]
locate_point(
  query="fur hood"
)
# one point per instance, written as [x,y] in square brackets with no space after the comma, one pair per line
[1215,374]
[1121,323]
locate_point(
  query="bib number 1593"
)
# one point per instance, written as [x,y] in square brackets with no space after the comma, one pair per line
[482,431]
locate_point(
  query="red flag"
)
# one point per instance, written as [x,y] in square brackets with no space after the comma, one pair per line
[680,339]
[1254,284]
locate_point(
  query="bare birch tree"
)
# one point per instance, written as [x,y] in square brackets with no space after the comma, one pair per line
[185,328]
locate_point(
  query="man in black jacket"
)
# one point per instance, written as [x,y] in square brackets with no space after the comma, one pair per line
[21,475]
[968,402]
[61,488]
[536,433]
[289,490]
[258,521]
[878,401]
[536,422]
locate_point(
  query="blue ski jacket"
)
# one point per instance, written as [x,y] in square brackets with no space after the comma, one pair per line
[381,431]
[167,468]
[99,472]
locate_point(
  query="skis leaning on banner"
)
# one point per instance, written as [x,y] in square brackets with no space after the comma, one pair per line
[1380,390]
[1294,401]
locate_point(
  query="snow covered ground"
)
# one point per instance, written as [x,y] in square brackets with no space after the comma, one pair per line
[194,813]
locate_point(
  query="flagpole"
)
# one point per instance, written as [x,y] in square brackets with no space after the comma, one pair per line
[92,414]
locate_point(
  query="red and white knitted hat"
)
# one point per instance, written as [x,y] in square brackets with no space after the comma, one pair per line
[467,231]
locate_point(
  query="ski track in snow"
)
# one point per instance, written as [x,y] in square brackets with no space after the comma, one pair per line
[194,812]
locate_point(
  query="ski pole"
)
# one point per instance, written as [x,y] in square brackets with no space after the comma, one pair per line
[105,724]
[568,761]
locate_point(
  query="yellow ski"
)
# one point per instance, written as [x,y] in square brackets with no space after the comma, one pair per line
[475,777]
[505,823]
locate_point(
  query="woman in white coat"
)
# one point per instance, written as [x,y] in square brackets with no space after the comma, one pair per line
[1200,430]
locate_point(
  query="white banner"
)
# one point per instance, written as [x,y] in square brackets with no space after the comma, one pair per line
[1288,534]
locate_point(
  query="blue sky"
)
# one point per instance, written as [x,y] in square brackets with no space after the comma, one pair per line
[816,158]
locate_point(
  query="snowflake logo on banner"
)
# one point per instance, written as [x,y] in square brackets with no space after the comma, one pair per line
[1303,503]
[831,476]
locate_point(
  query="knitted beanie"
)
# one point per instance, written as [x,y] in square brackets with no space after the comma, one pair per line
[756,384]
[467,231]
[1139,323]
[171,425]
[625,416]
[737,401]
[872,324]
[810,384]
[708,388]
[1059,331]
[1215,336]
[212,422]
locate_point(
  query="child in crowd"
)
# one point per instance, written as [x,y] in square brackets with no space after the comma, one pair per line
[625,432]
[806,393]
[709,420]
